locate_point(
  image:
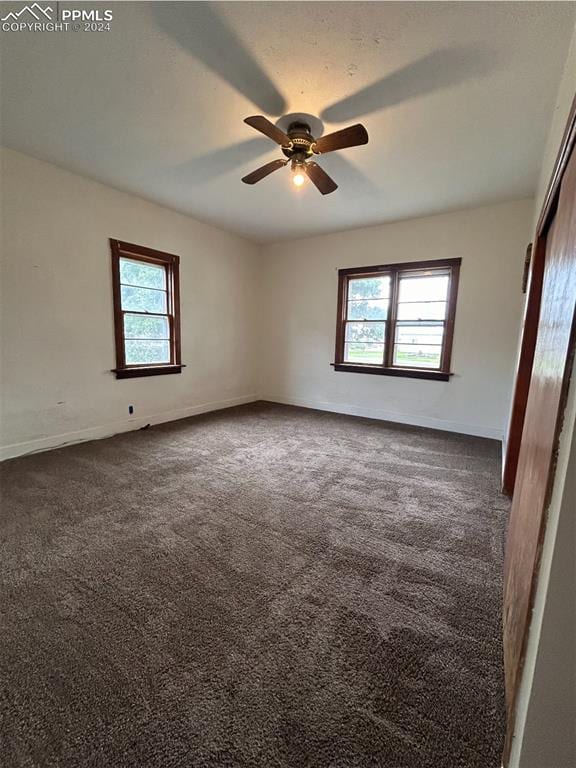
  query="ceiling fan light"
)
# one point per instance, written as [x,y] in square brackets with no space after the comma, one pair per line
[298,179]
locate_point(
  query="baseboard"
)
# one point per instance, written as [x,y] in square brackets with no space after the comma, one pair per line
[115,427]
[129,425]
[494,433]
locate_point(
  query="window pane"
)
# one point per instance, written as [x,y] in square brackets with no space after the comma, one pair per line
[369,287]
[143,352]
[417,356]
[432,310]
[143,299]
[145,275]
[423,288]
[368,309]
[364,343]
[365,331]
[423,333]
[358,352]
[146,327]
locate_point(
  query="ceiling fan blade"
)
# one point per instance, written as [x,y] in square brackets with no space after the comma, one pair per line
[268,129]
[347,137]
[320,178]
[263,171]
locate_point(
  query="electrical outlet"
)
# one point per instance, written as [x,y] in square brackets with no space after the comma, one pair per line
[130,409]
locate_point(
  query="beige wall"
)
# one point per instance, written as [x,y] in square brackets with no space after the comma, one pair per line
[545,734]
[57,321]
[299,314]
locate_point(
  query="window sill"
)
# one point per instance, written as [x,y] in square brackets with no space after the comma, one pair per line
[146,370]
[410,373]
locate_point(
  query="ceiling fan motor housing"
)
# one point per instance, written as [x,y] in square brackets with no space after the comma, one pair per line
[301,139]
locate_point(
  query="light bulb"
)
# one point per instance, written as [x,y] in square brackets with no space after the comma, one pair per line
[298,179]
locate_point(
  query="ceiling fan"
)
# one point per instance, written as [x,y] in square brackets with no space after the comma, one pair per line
[298,145]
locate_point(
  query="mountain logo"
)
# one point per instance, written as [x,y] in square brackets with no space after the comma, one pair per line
[35,10]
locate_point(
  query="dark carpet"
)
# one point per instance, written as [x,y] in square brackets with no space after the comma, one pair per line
[264,586]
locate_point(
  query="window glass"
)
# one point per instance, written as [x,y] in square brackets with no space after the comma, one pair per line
[427,310]
[142,352]
[368,309]
[364,343]
[146,327]
[419,333]
[141,274]
[367,332]
[369,287]
[423,288]
[143,299]
[364,352]
[417,355]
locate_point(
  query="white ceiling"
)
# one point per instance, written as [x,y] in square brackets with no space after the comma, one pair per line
[456,97]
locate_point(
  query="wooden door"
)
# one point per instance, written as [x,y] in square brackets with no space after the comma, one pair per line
[525,362]
[549,382]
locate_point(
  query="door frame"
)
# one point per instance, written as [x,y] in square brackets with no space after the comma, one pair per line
[525,364]
[532,307]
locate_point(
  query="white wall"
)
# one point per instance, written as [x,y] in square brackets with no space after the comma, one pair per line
[299,316]
[545,732]
[57,320]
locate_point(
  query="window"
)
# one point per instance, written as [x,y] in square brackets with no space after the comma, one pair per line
[397,319]
[146,311]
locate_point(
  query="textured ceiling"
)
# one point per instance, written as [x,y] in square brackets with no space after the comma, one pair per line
[456,97]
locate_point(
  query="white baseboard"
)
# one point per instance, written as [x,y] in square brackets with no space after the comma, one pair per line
[115,427]
[416,420]
[129,425]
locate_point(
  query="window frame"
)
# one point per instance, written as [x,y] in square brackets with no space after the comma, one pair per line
[171,263]
[387,368]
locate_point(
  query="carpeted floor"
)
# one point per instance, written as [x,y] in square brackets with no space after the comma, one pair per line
[264,586]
